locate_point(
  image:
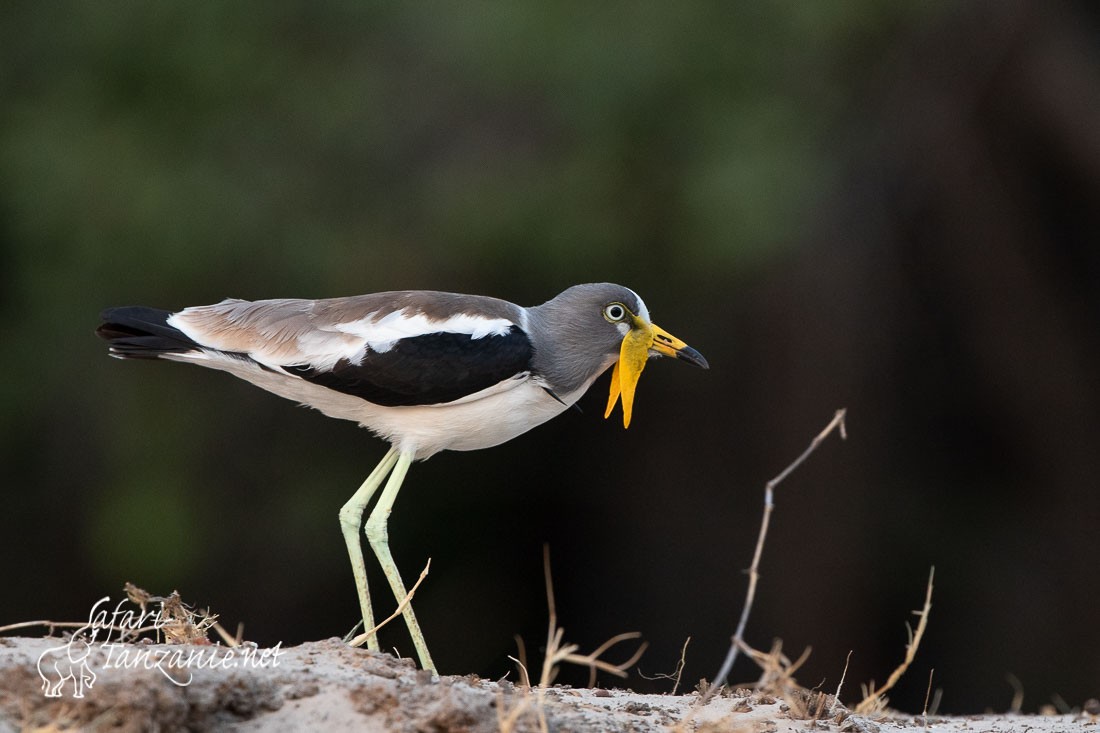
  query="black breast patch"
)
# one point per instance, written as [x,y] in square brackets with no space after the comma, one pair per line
[429,369]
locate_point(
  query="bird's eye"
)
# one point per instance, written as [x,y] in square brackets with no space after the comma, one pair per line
[614,312]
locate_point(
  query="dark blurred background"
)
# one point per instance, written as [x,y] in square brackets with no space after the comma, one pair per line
[891,207]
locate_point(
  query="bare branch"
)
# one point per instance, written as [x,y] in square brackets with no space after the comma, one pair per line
[837,423]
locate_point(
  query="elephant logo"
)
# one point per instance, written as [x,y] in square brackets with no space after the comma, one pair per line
[68,661]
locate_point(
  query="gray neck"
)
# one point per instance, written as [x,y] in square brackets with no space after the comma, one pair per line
[566,355]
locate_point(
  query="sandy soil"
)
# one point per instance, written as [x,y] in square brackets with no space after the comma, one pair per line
[327,685]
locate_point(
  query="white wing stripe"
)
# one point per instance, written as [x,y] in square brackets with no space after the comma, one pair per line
[380,335]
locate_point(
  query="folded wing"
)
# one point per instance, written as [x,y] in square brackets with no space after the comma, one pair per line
[391,349]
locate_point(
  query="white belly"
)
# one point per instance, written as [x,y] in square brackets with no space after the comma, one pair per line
[481,420]
[469,424]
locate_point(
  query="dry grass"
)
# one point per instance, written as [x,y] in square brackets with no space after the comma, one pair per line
[177,622]
[777,670]
[173,621]
[777,679]
[533,698]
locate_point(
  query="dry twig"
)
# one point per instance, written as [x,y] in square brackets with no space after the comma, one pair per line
[680,666]
[874,701]
[837,423]
[521,661]
[52,625]
[676,673]
[927,696]
[1017,703]
[362,638]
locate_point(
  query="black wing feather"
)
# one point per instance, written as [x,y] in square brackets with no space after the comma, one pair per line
[138,332]
[429,369]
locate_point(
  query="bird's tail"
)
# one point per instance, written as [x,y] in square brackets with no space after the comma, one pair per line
[137,332]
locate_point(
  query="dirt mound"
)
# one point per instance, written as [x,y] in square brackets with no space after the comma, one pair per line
[50,684]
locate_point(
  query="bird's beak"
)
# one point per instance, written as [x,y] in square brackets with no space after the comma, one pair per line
[668,345]
[643,340]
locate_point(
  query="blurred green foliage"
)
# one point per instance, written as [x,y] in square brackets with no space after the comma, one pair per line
[174,153]
[343,147]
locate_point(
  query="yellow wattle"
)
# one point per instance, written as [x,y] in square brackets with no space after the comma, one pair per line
[633,355]
[614,396]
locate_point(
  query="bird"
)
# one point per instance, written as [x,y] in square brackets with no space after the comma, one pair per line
[426,371]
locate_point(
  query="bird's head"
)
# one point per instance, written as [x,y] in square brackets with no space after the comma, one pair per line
[613,324]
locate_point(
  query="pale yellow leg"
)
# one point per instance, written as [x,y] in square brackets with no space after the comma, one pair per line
[378,536]
[351,519]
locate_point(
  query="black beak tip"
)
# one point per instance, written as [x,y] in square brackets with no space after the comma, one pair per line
[691,356]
